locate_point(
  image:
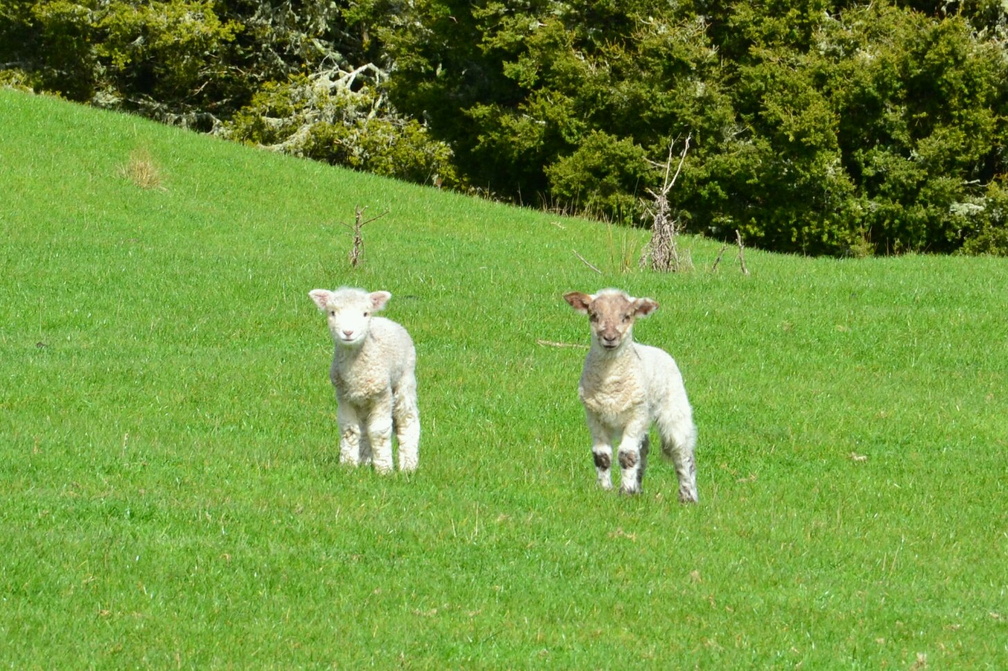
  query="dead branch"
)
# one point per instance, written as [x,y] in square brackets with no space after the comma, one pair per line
[356,255]
[550,343]
[663,248]
[718,259]
[682,159]
[585,261]
[741,252]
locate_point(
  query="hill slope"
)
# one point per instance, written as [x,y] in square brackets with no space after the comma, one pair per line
[168,451]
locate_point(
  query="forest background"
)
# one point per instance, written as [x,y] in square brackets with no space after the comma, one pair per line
[821,127]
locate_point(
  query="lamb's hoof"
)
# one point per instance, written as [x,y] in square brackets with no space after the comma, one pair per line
[686,496]
[629,491]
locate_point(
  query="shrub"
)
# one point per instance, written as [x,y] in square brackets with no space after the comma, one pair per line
[605,176]
[324,118]
[985,222]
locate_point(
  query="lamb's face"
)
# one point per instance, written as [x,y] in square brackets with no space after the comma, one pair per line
[611,317]
[349,320]
[611,314]
[348,312]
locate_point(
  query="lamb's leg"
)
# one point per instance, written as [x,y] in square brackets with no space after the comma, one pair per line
[601,451]
[406,418]
[602,455]
[380,435]
[644,449]
[680,447]
[630,467]
[379,430]
[350,434]
[365,449]
[633,457]
[685,466]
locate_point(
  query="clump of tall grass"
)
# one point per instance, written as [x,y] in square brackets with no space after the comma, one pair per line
[143,170]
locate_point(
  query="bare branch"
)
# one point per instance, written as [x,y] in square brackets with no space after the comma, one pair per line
[356,255]
[585,261]
[718,259]
[551,343]
[682,159]
[663,247]
[741,252]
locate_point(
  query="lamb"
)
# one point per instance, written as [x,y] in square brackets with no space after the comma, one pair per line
[626,387]
[374,374]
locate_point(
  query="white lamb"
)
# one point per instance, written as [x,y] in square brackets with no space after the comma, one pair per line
[626,387]
[373,371]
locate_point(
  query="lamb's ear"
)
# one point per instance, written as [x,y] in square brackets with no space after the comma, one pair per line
[579,301]
[644,306]
[379,299]
[321,298]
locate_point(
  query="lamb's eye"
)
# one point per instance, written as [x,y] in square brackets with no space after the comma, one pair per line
[332,313]
[367,314]
[626,318]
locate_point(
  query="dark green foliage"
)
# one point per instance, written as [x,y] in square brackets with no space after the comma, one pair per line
[160,58]
[446,77]
[604,175]
[880,130]
[326,120]
[50,45]
[986,222]
[575,85]
[821,127]
[922,125]
[294,74]
[164,57]
[818,126]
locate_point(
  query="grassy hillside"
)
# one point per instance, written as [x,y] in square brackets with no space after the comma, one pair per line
[168,454]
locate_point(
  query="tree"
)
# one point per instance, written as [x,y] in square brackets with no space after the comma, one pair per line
[321,93]
[821,126]
[547,98]
[163,59]
[818,126]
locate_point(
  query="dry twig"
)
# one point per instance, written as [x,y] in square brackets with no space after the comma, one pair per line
[718,259]
[357,250]
[663,247]
[586,262]
[741,252]
[551,343]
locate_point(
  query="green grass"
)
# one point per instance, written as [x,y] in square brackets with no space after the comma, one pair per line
[171,494]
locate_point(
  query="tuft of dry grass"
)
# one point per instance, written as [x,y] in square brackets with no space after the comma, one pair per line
[142,170]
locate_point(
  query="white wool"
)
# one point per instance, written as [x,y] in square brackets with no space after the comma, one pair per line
[627,387]
[374,374]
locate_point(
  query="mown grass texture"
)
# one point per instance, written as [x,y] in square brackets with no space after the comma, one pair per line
[171,494]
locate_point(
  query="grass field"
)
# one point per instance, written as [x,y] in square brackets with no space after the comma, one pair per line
[171,494]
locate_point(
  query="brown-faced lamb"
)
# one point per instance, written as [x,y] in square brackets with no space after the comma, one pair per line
[626,387]
[374,374]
